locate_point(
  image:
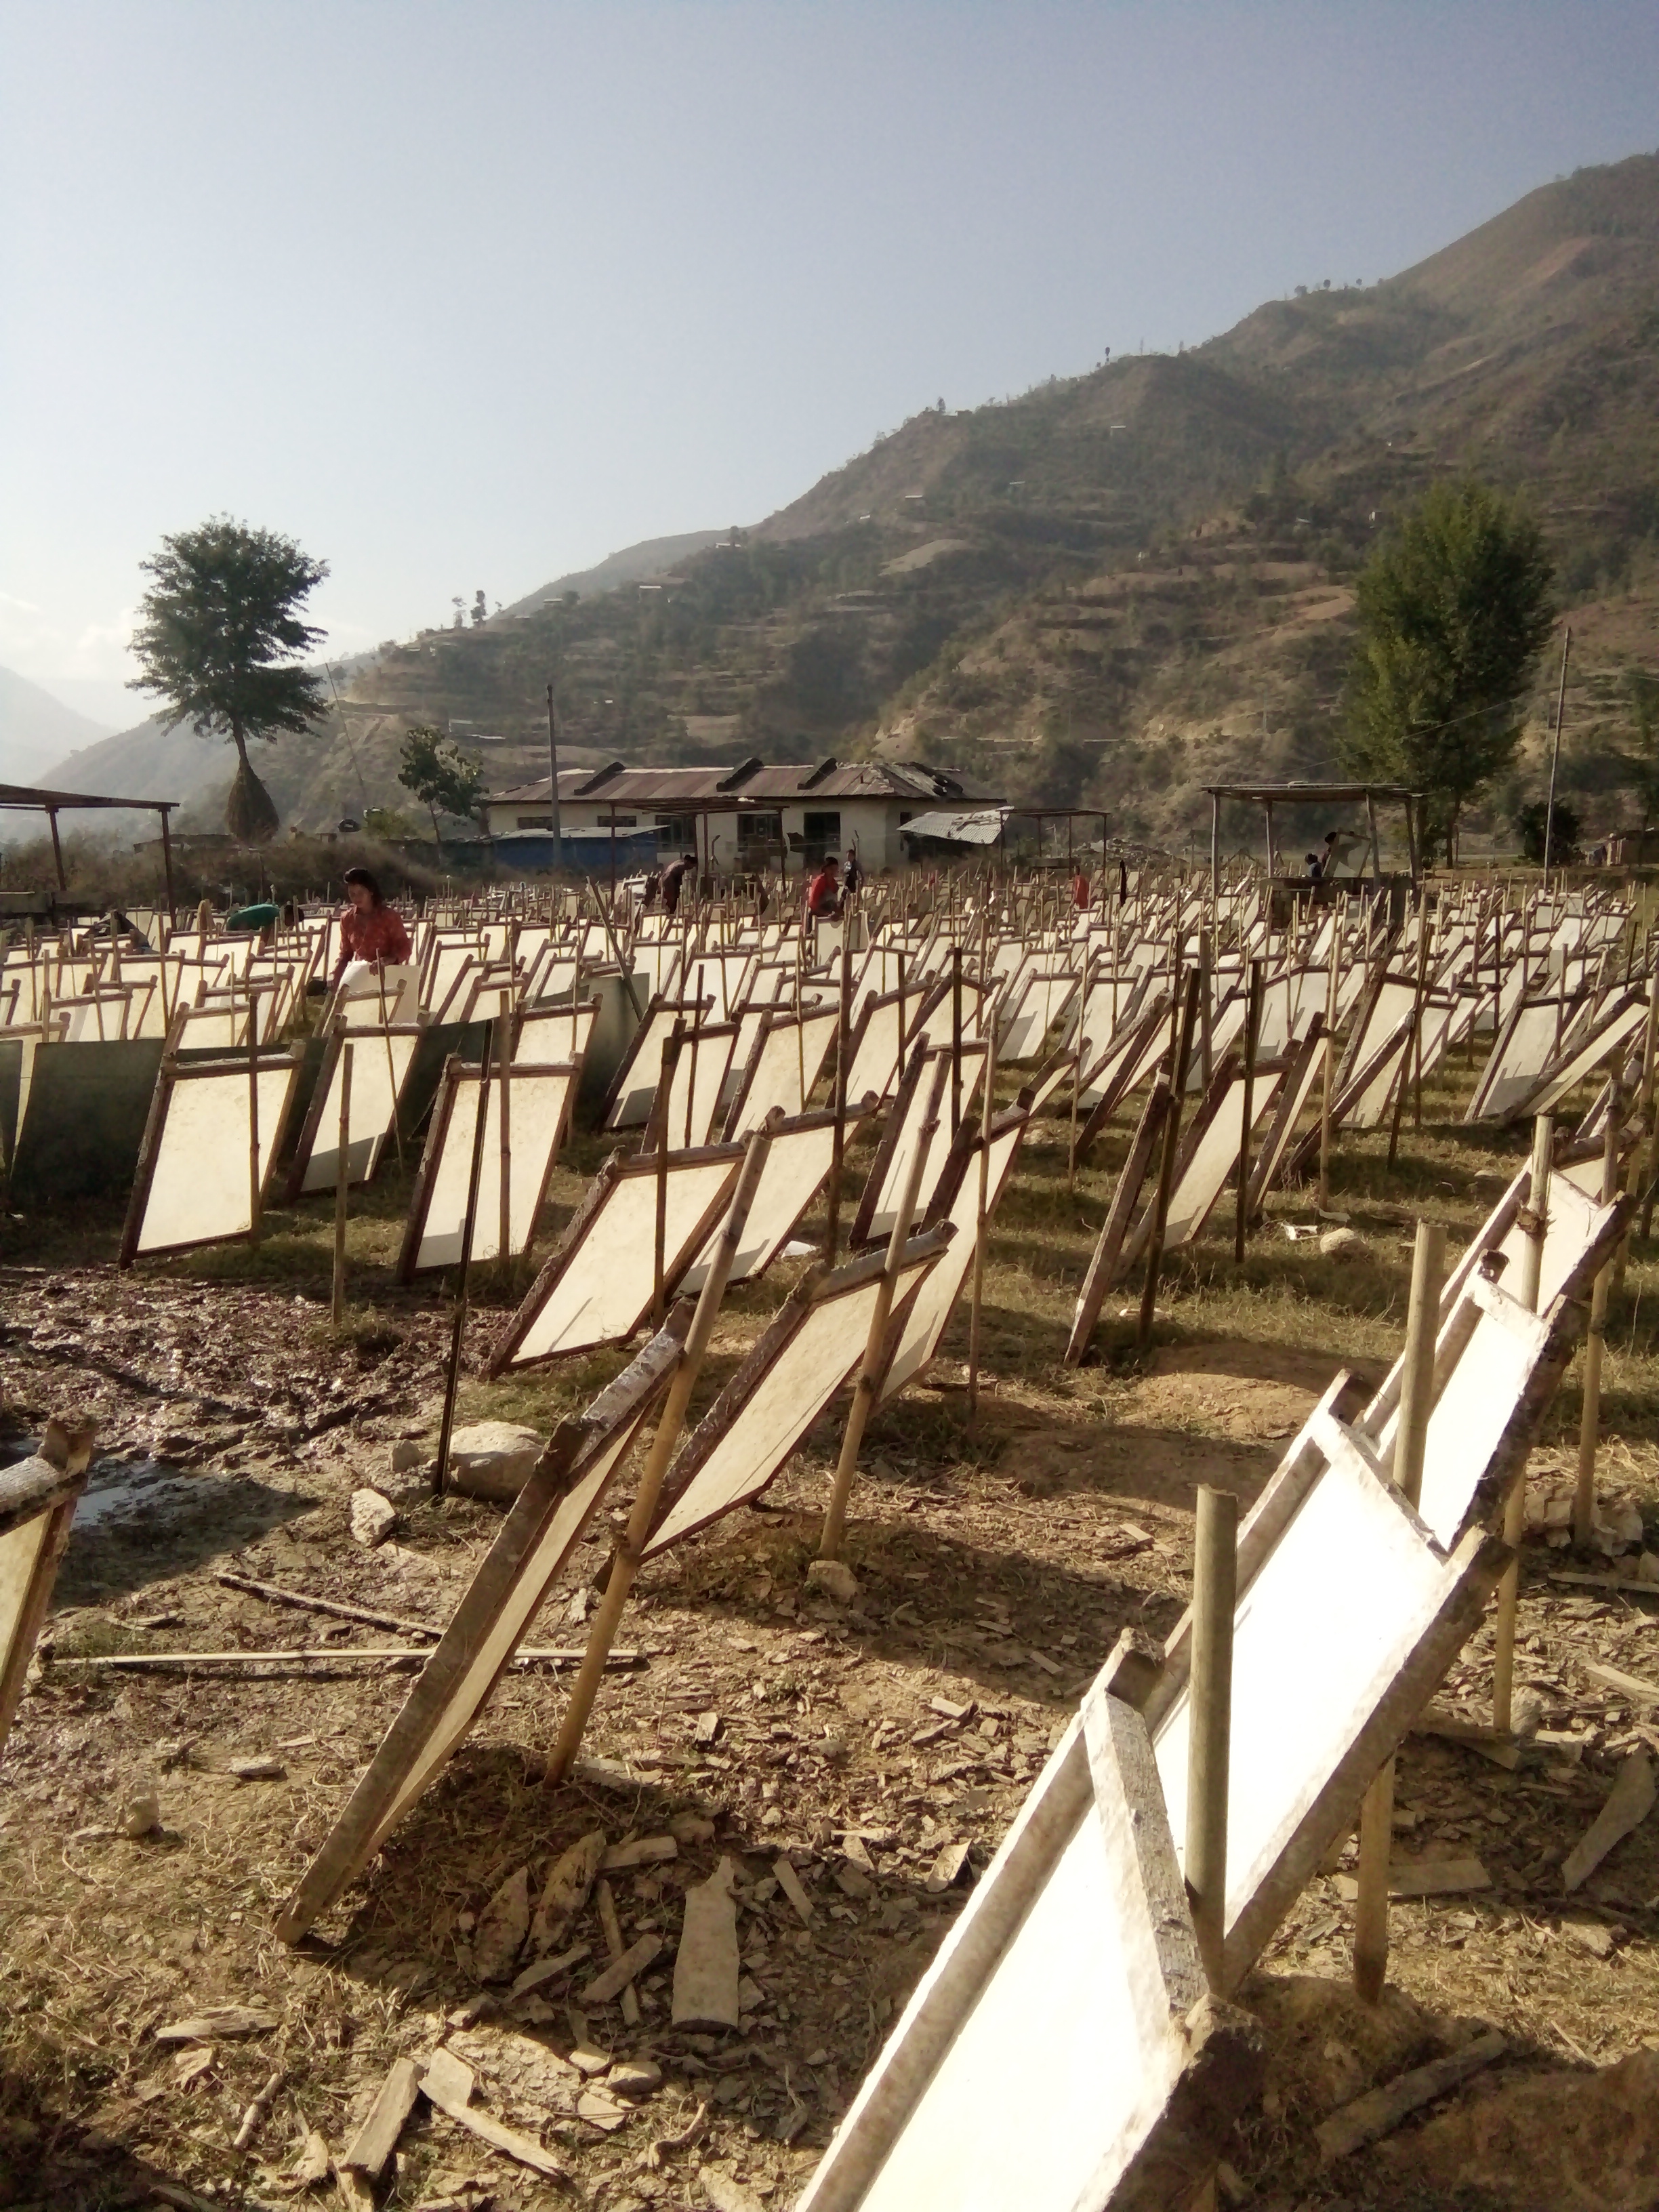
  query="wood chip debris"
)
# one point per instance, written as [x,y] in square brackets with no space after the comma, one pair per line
[1628,1804]
[448,2083]
[375,2141]
[1424,1878]
[224,2024]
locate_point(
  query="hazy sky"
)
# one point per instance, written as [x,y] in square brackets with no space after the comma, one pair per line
[467,295]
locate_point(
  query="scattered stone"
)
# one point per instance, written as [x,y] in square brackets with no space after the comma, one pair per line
[313,2163]
[633,2078]
[406,1456]
[257,1770]
[502,1926]
[373,1517]
[790,1883]
[946,1869]
[691,1829]
[1335,1243]
[141,1815]
[493,1460]
[1592,1936]
[725,2192]
[835,1580]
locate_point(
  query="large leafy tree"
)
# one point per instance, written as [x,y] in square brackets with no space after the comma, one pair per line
[219,641]
[1454,609]
[439,774]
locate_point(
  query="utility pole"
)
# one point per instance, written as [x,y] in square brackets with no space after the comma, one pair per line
[1555,754]
[553,770]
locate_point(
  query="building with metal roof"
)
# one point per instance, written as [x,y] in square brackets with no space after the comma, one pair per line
[753,816]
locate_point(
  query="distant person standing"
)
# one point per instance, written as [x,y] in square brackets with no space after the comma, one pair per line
[370,930]
[1081,894]
[823,893]
[673,877]
[852,876]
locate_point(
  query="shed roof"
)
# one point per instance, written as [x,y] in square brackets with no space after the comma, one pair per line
[718,788]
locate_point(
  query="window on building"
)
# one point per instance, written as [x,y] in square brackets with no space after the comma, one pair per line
[760,838]
[531,822]
[820,834]
[675,835]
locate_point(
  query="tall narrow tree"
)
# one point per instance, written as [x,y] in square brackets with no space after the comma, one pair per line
[219,641]
[1453,611]
[439,774]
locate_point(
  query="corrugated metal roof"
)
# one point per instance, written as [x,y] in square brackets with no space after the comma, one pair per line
[711,786]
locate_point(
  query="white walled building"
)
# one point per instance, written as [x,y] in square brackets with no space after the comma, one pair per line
[792,814]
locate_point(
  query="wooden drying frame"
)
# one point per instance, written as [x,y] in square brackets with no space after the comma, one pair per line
[169,1075]
[1214,2053]
[820,1287]
[456,1072]
[621,1167]
[334,1040]
[575,1447]
[48,1486]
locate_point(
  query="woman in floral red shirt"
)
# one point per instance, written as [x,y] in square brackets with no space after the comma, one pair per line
[369,928]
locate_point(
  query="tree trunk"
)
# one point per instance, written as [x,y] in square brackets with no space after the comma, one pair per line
[437,842]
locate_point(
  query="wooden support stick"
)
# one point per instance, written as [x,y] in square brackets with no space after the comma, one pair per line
[982,1237]
[504,1125]
[342,1182]
[1590,1418]
[1215,1575]
[838,1138]
[864,1392]
[457,1323]
[1535,1220]
[1329,1071]
[254,1178]
[1184,1054]
[1252,1037]
[1371,1937]
[625,1560]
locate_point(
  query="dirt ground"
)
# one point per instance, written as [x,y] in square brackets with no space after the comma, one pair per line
[864,1743]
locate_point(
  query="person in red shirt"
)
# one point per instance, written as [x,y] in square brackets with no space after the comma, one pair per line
[823,893]
[369,928]
[1080,894]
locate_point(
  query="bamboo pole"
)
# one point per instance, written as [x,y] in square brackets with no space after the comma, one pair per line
[457,1323]
[625,1560]
[864,1392]
[1182,1054]
[976,1303]
[504,1127]
[1535,1220]
[838,1140]
[342,1182]
[1331,994]
[1370,1938]
[1590,1418]
[1252,1035]
[1215,1574]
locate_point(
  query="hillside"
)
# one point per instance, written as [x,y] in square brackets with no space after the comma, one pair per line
[1117,586]
[36,728]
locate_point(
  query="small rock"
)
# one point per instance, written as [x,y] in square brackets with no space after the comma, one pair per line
[633,2078]
[1647,1567]
[493,1459]
[406,1456]
[373,1517]
[1335,1243]
[142,1815]
[835,1580]
[258,1769]
[1591,1936]
[691,1829]
[313,2163]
